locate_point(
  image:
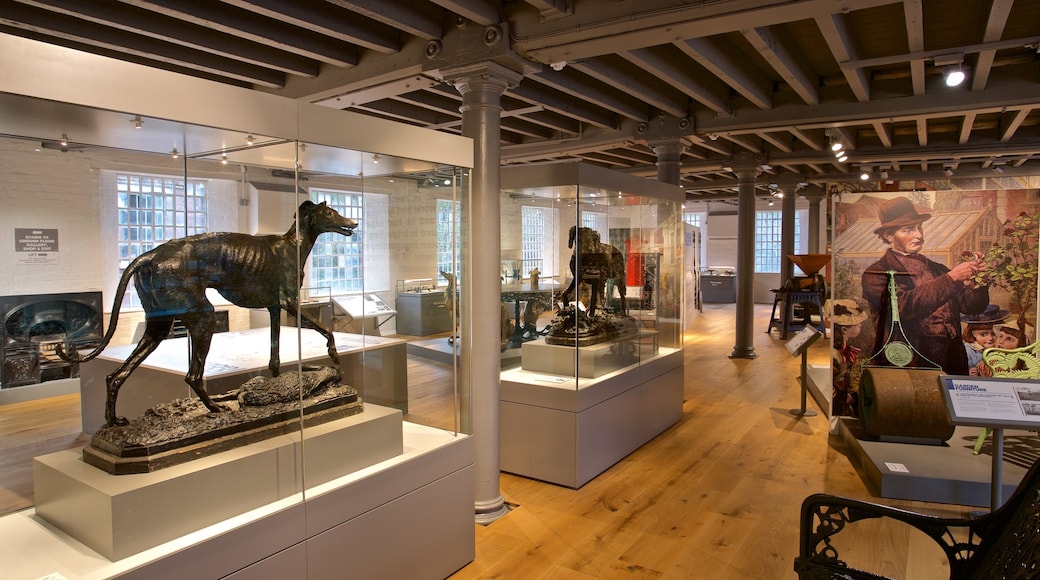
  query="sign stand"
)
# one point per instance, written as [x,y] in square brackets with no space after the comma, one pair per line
[996,403]
[799,345]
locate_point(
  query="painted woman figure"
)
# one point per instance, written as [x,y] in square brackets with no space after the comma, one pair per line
[846,316]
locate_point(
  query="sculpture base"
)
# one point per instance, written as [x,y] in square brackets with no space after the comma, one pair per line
[570,328]
[184,429]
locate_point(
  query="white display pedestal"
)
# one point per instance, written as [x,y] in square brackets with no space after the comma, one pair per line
[380,376]
[589,361]
[121,515]
[568,431]
[410,516]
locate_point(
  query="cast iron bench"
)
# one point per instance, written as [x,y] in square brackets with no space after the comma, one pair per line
[1001,544]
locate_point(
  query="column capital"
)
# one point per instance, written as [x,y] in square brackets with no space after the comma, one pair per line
[485,76]
[746,164]
[789,182]
[814,193]
[664,128]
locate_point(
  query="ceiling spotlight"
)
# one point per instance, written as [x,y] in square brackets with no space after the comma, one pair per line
[223,158]
[865,175]
[138,123]
[375,159]
[884,174]
[64,143]
[249,140]
[953,75]
[836,146]
[175,154]
[447,182]
[843,158]
[998,169]
[948,171]
[770,202]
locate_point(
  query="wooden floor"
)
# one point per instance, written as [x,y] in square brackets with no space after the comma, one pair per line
[715,497]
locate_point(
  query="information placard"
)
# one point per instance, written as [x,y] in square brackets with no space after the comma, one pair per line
[802,340]
[36,245]
[991,402]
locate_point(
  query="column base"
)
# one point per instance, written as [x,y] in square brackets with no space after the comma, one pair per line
[741,353]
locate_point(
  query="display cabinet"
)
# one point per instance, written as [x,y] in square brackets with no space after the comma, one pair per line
[600,365]
[294,437]
[423,308]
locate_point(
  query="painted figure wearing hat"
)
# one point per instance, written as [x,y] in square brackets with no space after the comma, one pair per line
[845,316]
[980,333]
[932,297]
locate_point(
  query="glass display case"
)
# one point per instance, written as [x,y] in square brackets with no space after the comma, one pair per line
[599,332]
[274,424]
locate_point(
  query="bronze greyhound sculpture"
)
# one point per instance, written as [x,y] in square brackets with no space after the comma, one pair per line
[249,271]
[595,263]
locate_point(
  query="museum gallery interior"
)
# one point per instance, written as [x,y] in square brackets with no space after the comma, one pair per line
[523,289]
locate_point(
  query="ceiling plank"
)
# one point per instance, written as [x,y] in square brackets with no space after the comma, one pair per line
[774,141]
[673,73]
[913,16]
[80,31]
[137,21]
[883,132]
[534,93]
[325,19]
[719,61]
[999,12]
[1014,124]
[245,24]
[743,142]
[834,31]
[966,126]
[812,142]
[599,28]
[414,18]
[581,86]
[782,58]
[625,82]
[483,12]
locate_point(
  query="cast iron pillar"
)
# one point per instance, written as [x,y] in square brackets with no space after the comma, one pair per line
[746,165]
[482,85]
[789,186]
[815,194]
[669,160]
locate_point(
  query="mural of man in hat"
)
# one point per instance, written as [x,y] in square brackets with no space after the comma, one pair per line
[931,296]
[845,316]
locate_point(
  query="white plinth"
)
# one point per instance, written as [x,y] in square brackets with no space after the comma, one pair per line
[588,361]
[568,431]
[410,516]
[376,366]
[121,515]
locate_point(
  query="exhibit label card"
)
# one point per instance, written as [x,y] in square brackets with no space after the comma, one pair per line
[802,340]
[988,401]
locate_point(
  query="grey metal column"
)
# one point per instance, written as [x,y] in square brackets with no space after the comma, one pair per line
[788,185]
[669,159]
[482,86]
[815,194]
[746,166]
